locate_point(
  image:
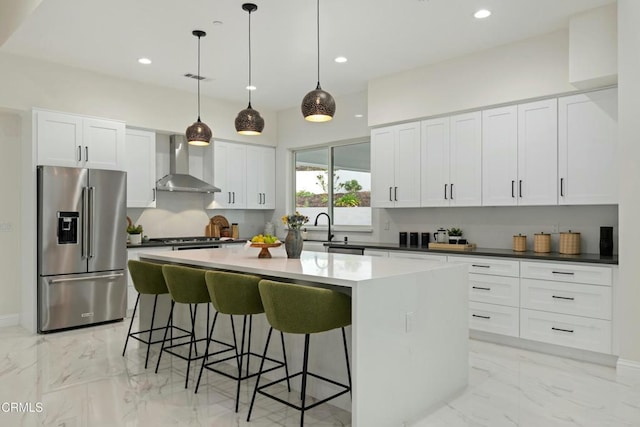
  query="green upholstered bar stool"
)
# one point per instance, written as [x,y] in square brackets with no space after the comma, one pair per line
[148,280]
[236,294]
[307,310]
[186,286]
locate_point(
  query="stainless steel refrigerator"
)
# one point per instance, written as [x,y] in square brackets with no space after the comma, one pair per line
[81,247]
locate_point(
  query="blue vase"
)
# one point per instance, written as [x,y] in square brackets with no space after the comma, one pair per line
[293,244]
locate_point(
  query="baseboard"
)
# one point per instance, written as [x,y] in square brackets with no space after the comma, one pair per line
[628,368]
[9,320]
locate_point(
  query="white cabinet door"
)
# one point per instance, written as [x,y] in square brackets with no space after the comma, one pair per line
[229,174]
[58,139]
[382,167]
[261,166]
[587,141]
[537,153]
[140,161]
[434,157]
[500,156]
[465,150]
[406,191]
[395,166]
[104,144]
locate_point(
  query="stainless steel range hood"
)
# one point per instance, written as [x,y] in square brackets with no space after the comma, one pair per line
[179,178]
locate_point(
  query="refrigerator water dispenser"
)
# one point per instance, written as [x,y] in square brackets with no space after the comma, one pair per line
[68,228]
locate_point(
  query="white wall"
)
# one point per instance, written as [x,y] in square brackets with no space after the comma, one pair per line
[628,292]
[527,69]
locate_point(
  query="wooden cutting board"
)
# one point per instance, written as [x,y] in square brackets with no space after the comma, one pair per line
[216,223]
[452,247]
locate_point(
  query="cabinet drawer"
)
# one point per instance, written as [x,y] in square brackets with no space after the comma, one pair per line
[594,275]
[416,255]
[565,330]
[493,318]
[567,298]
[498,267]
[494,289]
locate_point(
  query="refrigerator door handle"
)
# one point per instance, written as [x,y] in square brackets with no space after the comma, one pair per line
[79,279]
[91,216]
[84,252]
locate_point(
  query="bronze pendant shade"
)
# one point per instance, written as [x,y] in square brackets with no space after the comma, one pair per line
[318,105]
[199,133]
[249,121]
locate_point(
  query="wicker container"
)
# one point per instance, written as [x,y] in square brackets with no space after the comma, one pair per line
[542,243]
[519,243]
[569,243]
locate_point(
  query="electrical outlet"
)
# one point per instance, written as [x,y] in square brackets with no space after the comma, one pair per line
[555,228]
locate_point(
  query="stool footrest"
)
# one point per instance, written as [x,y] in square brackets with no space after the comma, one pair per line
[208,365]
[346,388]
[160,328]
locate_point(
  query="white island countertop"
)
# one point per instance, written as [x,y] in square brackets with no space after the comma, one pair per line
[409,331]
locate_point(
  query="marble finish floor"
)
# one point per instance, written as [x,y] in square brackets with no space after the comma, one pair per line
[79,378]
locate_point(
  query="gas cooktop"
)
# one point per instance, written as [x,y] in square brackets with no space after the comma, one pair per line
[197,239]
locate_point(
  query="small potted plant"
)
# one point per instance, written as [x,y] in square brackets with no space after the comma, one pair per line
[135,234]
[455,235]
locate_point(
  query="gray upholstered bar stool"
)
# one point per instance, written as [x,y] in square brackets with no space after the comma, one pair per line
[307,310]
[236,295]
[186,286]
[148,280]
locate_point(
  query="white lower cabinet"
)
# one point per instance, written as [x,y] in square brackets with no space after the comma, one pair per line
[497,319]
[134,253]
[376,252]
[494,289]
[417,255]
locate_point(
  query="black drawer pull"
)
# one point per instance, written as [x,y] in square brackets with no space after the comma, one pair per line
[568,273]
[562,330]
[482,317]
[480,265]
[567,298]
[481,288]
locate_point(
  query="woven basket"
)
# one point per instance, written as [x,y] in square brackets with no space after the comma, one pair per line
[542,243]
[569,243]
[519,243]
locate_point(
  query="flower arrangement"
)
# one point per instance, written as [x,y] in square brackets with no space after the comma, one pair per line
[295,221]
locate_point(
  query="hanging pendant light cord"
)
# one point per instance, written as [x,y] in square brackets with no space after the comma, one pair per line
[250,90]
[318,37]
[198,78]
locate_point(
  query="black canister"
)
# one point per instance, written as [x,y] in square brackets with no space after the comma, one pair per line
[424,240]
[606,241]
[413,239]
[403,238]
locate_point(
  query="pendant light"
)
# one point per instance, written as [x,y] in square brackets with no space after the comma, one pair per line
[199,133]
[318,105]
[249,121]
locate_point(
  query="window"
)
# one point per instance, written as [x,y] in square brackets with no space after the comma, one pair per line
[346,196]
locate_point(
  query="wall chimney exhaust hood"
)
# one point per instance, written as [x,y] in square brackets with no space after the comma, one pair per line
[179,178]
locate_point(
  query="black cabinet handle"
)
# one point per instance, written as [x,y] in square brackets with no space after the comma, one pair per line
[561,187]
[513,183]
[79,153]
[445,191]
[395,193]
[567,273]
[481,317]
[86,154]
[234,197]
[520,188]
[229,193]
[481,288]
[562,330]
[480,265]
[451,192]
[390,198]
[567,298]
[154,194]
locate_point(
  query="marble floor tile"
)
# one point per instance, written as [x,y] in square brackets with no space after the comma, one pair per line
[79,378]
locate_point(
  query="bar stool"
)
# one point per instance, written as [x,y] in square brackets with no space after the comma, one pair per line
[148,280]
[298,309]
[236,294]
[186,286]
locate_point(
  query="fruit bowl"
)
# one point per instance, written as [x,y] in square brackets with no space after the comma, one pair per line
[264,251]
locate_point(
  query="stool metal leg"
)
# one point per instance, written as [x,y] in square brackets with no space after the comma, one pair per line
[150,340]
[206,352]
[255,390]
[191,342]
[305,365]
[135,307]
[239,354]
[284,357]
[346,355]
[164,339]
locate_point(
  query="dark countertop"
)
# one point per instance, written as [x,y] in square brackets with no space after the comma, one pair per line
[503,253]
[157,244]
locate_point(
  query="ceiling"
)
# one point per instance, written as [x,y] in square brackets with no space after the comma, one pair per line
[379,37]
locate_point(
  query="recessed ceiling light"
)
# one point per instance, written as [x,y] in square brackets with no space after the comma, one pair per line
[482,13]
[340,59]
[145,61]
[359,116]
[252,87]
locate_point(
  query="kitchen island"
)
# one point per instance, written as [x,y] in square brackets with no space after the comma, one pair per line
[409,328]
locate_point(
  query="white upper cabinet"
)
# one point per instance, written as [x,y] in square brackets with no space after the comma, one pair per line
[141,169]
[261,177]
[587,155]
[76,141]
[519,154]
[395,166]
[451,157]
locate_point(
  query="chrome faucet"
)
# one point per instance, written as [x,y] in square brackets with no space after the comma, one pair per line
[329,235]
